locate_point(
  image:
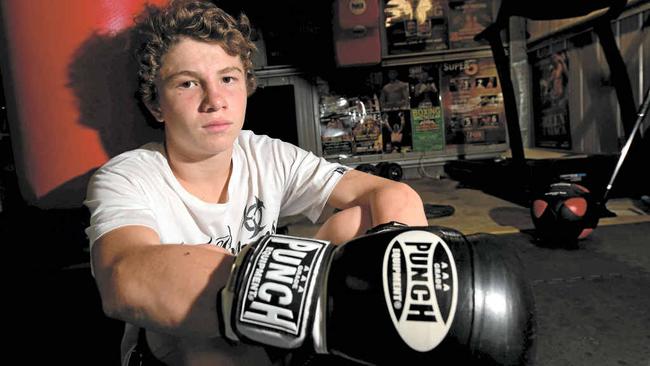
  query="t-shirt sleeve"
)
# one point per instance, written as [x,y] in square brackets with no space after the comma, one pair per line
[310,181]
[115,199]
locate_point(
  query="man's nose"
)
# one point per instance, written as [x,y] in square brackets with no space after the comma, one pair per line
[213,99]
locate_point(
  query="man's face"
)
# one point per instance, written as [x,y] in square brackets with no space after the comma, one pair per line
[201,98]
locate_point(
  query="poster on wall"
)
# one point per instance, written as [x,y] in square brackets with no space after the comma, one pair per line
[337,118]
[395,104]
[467,18]
[350,119]
[389,110]
[552,127]
[367,135]
[416,26]
[472,102]
[396,131]
[336,137]
[427,126]
[427,129]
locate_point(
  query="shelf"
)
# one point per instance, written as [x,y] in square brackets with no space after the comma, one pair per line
[411,159]
[436,56]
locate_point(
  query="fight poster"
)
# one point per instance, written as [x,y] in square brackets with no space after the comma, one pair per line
[467,18]
[336,137]
[427,126]
[472,102]
[416,26]
[367,135]
[552,128]
[396,131]
[427,129]
[395,105]
[337,119]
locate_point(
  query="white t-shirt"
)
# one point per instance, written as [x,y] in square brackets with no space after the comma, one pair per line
[270,179]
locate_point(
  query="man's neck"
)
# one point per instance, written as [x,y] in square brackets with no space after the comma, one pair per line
[206,178]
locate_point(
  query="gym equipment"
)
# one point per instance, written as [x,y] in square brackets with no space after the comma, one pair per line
[567,211]
[384,169]
[643,110]
[564,213]
[391,171]
[433,211]
[368,168]
[398,295]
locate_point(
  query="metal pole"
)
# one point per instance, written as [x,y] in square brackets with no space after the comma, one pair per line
[640,117]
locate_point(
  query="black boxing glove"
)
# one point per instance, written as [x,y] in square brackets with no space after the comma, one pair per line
[428,295]
[400,294]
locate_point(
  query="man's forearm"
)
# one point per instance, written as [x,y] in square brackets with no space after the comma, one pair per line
[169,288]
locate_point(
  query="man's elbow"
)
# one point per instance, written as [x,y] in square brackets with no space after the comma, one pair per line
[107,285]
[403,200]
[118,297]
[408,196]
[412,207]
[397,190]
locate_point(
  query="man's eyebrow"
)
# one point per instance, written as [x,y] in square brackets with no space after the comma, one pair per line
[180,73]
[229,69]
[225,70]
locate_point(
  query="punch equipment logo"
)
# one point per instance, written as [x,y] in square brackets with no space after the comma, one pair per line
[420,288]
[281,284]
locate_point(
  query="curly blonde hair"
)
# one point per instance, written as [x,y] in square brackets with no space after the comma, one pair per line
[158,29]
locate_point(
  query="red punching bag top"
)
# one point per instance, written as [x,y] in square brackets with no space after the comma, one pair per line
[63,88]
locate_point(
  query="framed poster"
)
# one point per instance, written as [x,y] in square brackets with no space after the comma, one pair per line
[395,91]
[415,26]
[472,102]
[551,102]
[338,116]
[336,137]
[427,129]
[367,135]
[427,126]
[396,131]
[467,18]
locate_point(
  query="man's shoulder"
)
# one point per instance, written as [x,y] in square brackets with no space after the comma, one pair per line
[147,156]
[248,137]
[250,141]
[266,149]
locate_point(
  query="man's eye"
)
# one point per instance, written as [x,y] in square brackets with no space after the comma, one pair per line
[188,84]
[229,79]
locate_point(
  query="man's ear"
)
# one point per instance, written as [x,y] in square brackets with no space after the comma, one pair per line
[154,109]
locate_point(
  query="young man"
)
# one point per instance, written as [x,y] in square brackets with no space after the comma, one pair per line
[167,220]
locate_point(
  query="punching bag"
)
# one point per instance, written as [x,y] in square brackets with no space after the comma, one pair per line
[69,90]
